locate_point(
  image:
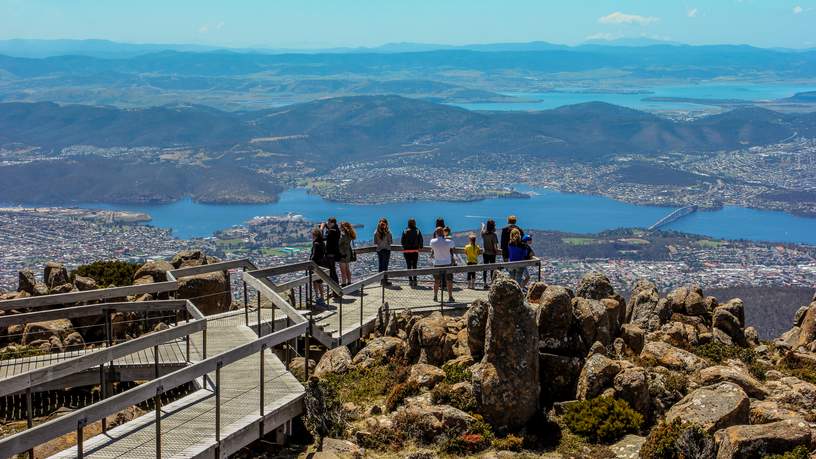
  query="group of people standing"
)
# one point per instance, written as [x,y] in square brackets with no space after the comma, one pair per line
[333,246]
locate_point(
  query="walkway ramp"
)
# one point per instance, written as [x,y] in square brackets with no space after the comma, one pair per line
[187,424]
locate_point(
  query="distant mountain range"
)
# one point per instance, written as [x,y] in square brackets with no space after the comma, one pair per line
[370,126]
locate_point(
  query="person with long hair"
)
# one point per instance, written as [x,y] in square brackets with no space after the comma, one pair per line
[472,251]
[331,235]
[318,255]
[442,252]
[490,248]
[412,243]
[518,250]
[347,254]
[383,241]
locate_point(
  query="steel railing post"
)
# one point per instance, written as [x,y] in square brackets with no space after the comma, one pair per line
[156,361]
[262,389]
[306,343]
[79,438]
[309,291]
[29,417]
[539,270]
[157,401]
[103,390]
[444,284]
[260,331]
[218,409]
[362,292]
[246,299]
[204,355]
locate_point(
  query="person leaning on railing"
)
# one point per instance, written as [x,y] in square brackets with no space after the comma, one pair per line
[472,251]
[518,249]
[490,248]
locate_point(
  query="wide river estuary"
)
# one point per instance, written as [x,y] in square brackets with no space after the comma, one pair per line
[545,210]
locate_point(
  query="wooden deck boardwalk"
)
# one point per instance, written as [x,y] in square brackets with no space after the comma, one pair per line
[188,424]
[399,296]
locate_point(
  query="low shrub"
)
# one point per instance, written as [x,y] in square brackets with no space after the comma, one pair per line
[718,352]
[443,394]
[456,373]
[362,385]
[677,440]
[677,382]
[478,437]
[509,443]
[20,351]
[108,273]
[800,452]
[803,370]
[399,393]
[602,419]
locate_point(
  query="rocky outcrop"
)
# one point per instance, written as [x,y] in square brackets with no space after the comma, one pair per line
[733,374]
[554,319]
[26,281]
[592,319]
[431,340]
[729,319]
[378,351]
[597,374]
[334,361]
[672,357]
[209,292]
[807,326]
[45,330]
[561,375]
[632,385]
[55,274]
[688,300]
[476,320]
[84,283]
[187,258]
[156,270]
[645,307]
[758,441]
[424,375]
[594,286]
[713,407]
[505,382]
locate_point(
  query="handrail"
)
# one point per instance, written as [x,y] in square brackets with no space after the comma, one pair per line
[264,285]
[90,310]
[211,267]
[95,358]
[35,436]
[88,295]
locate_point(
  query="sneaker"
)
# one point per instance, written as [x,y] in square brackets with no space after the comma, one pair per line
[435,298]
[451,300]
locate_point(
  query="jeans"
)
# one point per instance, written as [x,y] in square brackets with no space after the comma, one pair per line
[383,257]
[332,265]
[487,259]
[411,261]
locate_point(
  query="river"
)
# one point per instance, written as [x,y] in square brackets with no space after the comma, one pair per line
[545,210]
[709,90]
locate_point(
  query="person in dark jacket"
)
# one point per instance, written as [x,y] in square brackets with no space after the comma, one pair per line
[318,255]
[490,247]
[505,236]
[331,232]
[412,243]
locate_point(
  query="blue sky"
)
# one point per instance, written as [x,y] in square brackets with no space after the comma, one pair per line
[325,23]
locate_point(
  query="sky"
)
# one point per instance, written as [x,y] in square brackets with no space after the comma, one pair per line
[334,23]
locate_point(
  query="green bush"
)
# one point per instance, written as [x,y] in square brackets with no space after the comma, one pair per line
[478,437]
[677,440]
[443,394]
[509,443]
[107,273]
[456,373]
[602,419]
[803,370]
[399,393]
[800,452]
[362,385]
[718,352]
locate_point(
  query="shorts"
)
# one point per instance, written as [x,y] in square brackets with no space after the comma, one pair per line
[471,275]
[439,276]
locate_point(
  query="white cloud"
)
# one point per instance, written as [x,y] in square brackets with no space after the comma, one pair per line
[603,36]
[692,13]
[622,18]
[203,29]
[798,9]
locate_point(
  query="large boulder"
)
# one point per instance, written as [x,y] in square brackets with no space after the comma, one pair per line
[730,319]
[634,337]
[505,384]
[187,258]
[645,307]
[632,385]
[432,420]
[476,319]
[793,392]
[592,319]
[766,411]
[209,292]
[84,283]
[733,374]
[595,286]
[55,274]
[157,270]
[428,340]
[687,300]
[758,441]
[26,281]
[807,327]
[45,330]
[561,375]
[334,361]
[554,319]
[378,351]
[598,374]
[424,375]
[713,407]
[671,357]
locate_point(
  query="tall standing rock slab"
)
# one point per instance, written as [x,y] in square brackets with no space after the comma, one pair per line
[506,382]
[26,281]
[55,274]
[476,320]
[428,340]
[807,329]
[646,309]
[554,320]
[592,318]
[595,286]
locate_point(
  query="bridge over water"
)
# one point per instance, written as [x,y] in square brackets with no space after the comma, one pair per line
[237,362]
[674,216]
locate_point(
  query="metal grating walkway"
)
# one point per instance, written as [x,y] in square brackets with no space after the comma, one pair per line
[188,425]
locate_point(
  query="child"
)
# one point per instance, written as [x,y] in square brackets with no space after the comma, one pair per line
[472,251]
